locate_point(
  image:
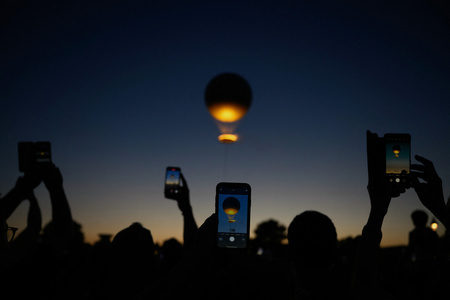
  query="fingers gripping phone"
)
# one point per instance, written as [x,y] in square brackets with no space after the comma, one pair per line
[398,158]
[233,211]
[172,182]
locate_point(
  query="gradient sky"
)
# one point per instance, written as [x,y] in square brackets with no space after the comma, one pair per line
[118,86]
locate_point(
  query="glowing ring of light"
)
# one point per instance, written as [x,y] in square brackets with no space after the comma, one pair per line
[227,138]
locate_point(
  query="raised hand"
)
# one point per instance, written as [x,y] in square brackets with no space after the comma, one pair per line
[380,191]
[28,182]
[428,186]
[52,177]
[182,197]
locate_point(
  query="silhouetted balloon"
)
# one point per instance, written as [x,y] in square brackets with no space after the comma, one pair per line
[228,96]
[231,207]
[396,149]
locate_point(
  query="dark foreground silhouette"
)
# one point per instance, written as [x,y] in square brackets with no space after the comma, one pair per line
[54,262]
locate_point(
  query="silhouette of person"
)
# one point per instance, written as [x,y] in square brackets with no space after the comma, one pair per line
[189,224]
[365,283]
[171,254]
[129,266]
[45,263]
[422,248]
[193,275]
[24,244]
[27,242]
[429,190]
[365,280]
[22,190]
[423,241]
[313,250]
[430,273]
[211,272]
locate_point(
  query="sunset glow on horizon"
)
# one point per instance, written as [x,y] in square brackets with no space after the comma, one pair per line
[119,91]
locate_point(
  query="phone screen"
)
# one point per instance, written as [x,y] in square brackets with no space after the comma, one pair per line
[233,212]
[172,181]
[398,157]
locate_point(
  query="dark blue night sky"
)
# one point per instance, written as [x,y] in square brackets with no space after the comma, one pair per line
[118,88]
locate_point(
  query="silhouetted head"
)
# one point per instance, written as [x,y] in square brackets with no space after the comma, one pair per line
[131,262]
[173,247]
[312,241]
[52,234]
[133,244]
[172,251]
[419,218]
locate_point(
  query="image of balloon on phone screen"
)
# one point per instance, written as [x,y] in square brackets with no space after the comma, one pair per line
[398,159]
[172,182]
[233,212]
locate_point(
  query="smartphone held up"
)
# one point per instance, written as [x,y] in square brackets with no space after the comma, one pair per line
[172,183]
[393,150]
[398,159]
[31,155]
[233,201]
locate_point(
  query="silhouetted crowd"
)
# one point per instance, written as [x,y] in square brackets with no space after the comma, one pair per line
[54,262]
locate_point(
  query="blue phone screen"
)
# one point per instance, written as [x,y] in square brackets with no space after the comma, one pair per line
[173,177]
[233,214]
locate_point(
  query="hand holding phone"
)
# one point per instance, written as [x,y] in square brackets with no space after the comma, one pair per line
[233,211]
[428,186]
[388,162]
[31,155]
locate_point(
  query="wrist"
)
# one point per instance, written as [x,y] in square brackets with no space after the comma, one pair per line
[187,210]
[372,235]
[376,218]
[56,191]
